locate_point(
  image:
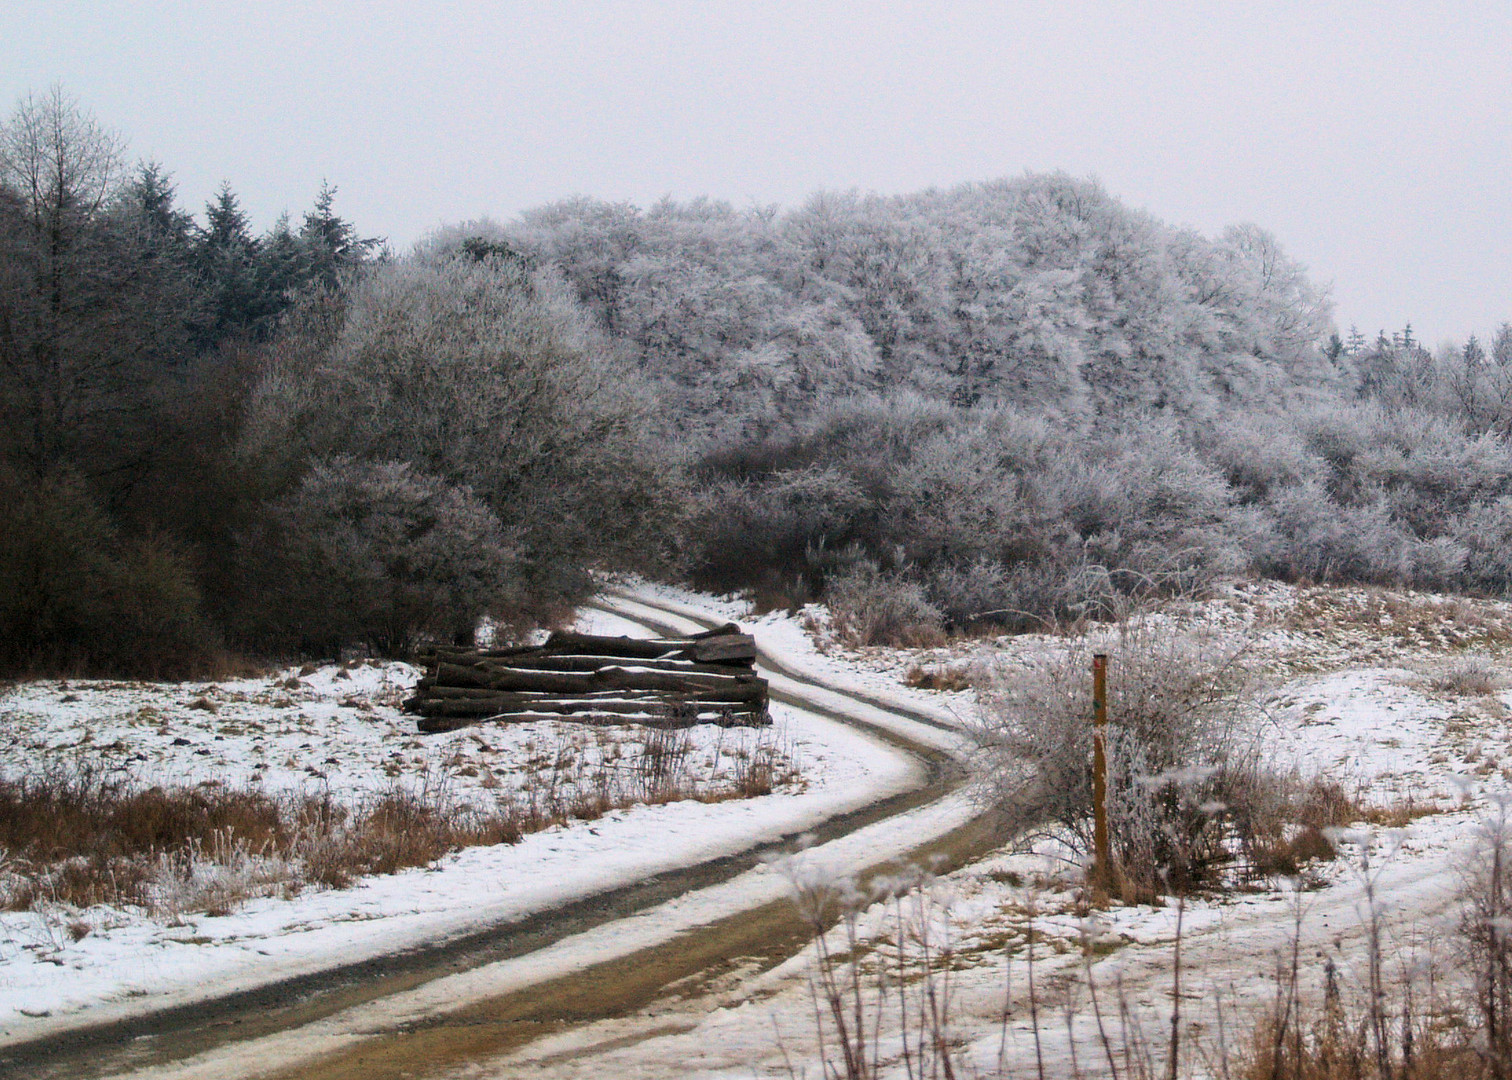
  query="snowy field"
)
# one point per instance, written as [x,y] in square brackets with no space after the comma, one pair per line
[339,732]
[1395,696]
[1365,687]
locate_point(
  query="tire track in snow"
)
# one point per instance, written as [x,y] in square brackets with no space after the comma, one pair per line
[336,1017]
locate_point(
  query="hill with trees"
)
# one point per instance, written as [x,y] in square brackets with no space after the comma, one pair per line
[997,404]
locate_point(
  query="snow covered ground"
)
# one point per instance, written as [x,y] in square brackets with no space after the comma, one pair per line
[1363,689]
[339,732]
[1366,687]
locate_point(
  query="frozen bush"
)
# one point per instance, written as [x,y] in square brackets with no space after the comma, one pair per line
[1182,727]
[973,593]
[1259,456]
[474,364]
[378,554]
[1469,675]
[1485,532]
[1438,563]
[775,533]
[1147,514]
[870,607]
[972,492]
[1313,538]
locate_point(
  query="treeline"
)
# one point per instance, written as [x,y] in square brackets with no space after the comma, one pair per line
[996,404]
[1021,400]
[1041,293]
[285,443]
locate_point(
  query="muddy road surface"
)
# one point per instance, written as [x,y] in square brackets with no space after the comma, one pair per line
[432,1010]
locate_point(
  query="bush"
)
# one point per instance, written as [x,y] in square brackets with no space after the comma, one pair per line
[475,366]
[379,554]
[1471,676]
[77,597]
[870,607]
[1313,538]
[1486,535]
[779,535]
[973,593]
[1259,456]
[1180,745]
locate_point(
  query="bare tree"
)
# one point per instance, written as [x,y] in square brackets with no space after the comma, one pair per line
[66,347]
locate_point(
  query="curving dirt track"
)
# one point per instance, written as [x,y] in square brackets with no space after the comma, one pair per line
[361,1020]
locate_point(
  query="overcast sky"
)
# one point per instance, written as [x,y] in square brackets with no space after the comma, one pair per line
[1374,139]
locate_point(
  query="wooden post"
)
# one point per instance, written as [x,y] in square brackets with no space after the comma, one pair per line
[1103,859]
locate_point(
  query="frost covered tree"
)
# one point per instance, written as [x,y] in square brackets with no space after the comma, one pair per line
[59,168]
[97,295]
[1041,292]
[375,553]
[477,367]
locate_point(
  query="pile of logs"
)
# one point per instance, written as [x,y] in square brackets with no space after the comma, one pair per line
[664,682]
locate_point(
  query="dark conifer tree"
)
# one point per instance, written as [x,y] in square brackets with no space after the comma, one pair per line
[240,305]
[330,244]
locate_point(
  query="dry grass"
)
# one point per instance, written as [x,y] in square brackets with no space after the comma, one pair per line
[938,677]
[1286,823]
[1441,1020]
[79,836]
[76,835]
[1468,676]
[868,989]
[1336,1043]
[1413,620]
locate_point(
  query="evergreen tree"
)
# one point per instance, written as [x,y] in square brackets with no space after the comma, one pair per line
[225,223]
[151,242]
[330,244]
[228,254]
[152,195]
[1335,347]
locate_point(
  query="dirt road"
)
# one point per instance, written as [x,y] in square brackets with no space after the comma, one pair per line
[430,1010]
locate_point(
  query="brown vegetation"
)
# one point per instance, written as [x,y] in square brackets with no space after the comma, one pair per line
[79,836]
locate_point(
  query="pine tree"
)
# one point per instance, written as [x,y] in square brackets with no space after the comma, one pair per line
[330,243]
[227,258]
[225,223]
[1335,347]
[152,243]
[151,195]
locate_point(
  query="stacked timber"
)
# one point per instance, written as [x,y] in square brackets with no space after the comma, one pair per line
[590,678]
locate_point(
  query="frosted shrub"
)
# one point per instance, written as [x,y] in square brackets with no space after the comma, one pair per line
[973,592]
[1439,563]
[774,534]
[1315,539]
[1259,456]
[1183,718]
[1486,533]
[474,365]
[1471,676]
[870,607]
[380,554]
[1146,508]
[1427,469]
